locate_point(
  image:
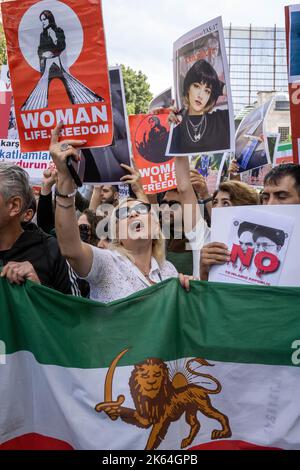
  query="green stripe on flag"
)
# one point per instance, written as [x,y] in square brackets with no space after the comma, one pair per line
[285,147]
[221,322]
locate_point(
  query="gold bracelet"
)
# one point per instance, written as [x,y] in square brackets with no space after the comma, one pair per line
[64,207]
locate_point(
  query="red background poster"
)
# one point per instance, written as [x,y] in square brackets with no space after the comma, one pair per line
[58,68]
[149,137]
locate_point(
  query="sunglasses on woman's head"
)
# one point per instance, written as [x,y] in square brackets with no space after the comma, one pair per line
[141,209]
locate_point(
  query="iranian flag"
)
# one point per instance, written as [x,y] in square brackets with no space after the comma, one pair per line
[284,153]
[215,368]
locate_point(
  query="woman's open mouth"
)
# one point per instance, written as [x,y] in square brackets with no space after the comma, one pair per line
[136,226]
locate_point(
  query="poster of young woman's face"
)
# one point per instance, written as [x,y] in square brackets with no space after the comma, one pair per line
[203,93]
[199,58]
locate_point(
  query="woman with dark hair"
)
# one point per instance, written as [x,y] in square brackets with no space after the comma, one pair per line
[200,129]
[52,39]
[52,44]
[87,224]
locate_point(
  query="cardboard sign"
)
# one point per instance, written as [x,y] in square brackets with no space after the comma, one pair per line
[58,68]
[149,137]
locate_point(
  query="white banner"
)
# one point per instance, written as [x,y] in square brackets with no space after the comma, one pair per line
[34,163]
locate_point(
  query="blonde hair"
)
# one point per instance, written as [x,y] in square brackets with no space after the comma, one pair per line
[158,244]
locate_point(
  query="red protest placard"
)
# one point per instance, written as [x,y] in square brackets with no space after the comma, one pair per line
[58,68]
[149,137]
[292,20]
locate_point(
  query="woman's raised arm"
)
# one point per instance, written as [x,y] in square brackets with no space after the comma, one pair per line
[78,254]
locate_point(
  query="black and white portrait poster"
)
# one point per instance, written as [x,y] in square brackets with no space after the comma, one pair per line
[203,93]
[259,240]
[102,165]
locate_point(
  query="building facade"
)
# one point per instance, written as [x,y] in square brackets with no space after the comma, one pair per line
[257,61]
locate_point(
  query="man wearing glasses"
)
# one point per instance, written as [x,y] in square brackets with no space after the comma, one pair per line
[268,239]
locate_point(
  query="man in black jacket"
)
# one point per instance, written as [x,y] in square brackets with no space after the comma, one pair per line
[26,252]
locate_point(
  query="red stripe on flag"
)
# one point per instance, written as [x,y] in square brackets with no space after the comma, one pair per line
[35,442]
[231,445]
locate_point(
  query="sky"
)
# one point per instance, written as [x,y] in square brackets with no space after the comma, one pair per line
[141,33]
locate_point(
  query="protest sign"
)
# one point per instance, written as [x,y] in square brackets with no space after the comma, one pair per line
[263,241]
[273,140]
[292,21]
[102,165]
[34,163]
[163,100]
[211,167]
[251,141]
[294,44]
[149,137]
[5,77]
[256,177]
[58,69]
[203,94]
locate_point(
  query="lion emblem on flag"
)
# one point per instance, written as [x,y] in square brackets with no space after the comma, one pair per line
[160,400]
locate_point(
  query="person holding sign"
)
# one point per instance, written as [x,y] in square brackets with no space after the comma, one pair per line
[198,128]
[135,258]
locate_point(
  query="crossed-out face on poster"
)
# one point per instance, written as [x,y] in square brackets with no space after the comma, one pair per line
[203,93]
[58,68]
[149,137]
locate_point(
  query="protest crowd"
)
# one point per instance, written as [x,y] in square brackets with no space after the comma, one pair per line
[113,238]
